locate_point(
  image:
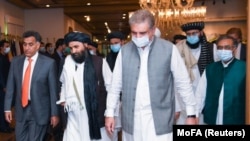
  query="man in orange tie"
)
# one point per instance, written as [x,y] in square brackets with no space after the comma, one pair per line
[33,81]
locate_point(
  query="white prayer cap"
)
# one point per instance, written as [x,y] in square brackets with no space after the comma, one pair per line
[157,32]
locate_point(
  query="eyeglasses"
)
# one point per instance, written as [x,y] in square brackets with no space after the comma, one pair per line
[192,33]
[226,47]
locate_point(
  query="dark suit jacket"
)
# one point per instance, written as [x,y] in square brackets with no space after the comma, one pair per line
[243,52]
[43,89]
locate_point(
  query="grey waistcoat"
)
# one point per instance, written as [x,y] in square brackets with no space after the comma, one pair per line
[160,80]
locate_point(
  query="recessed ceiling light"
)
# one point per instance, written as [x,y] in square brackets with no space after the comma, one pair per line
[88,3]
[47,5]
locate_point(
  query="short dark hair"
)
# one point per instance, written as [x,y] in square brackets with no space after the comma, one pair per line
[33,34]
[225,36]
[2,42]
[59,42]
[235,30]
[178,37]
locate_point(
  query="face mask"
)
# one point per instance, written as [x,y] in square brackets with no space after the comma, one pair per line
[66,51]
[42,49]
[141,42]
[7,50]
[193,39]
[51,50]
[225,55]
[92,52]
[116,47]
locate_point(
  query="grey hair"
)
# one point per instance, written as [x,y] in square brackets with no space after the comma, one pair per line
[141,16]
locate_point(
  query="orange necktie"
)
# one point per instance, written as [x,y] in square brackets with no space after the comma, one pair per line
[26,83]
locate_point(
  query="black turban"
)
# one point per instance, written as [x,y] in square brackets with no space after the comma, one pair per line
[76,36]
[192,25]
[94,44]
[115,34]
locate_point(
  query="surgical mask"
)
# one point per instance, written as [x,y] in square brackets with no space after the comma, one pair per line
[141,42]
[225,55]
[116,47]
[51,50]
[193,39]
[66,51]
[92,52]
[42,49]
[7,50]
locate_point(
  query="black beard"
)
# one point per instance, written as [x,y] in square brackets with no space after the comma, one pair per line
[79,57]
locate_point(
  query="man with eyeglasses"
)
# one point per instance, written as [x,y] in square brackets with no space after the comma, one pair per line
[197,54]
[221,93]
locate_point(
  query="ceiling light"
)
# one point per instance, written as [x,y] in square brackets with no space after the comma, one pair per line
[47,5]
[87,18]
[88,3]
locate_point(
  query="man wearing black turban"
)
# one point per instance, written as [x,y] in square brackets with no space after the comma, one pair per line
[196,52]
[83,93]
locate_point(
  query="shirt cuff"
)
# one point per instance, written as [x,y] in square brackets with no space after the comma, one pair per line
[60,101]
[109,113]
[191,110]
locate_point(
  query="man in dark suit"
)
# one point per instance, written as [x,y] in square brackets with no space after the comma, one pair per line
[33,117]
[58,54]
[241,48]
[4,69]
[59,58]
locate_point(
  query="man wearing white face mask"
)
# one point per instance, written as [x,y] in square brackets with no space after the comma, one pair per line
[145,71]
[92,47]
[197,54]
[221,90]
[4,70]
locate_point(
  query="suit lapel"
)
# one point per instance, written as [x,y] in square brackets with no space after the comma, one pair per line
[37,68]
[20,68]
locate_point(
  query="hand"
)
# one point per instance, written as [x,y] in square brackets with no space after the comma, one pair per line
[176,116]
[8,116]
[62,104]
[54,120]
[110,124]
[191,121]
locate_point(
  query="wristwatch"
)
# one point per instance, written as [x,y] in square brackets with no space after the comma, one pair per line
[191,116]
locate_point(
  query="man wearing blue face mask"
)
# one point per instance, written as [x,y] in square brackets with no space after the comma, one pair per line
[221,93]
[197,54]
[116,40]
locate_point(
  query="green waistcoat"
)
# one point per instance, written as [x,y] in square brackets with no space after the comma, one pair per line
[234,79]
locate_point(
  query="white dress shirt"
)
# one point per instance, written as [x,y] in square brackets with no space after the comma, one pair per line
[143,120]
[25,65]
[200,95]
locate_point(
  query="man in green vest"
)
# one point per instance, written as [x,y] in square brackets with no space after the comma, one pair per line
[221,90]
